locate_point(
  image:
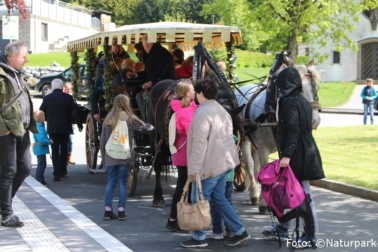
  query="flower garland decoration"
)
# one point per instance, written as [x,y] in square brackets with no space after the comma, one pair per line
[231,58]
[90,60]
[108,75]
[75,78]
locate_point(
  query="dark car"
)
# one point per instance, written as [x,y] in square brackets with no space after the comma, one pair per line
[44,83]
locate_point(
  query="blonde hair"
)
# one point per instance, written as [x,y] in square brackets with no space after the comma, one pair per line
[121,103]
[37,114]
[369,80]
[67,85]
[182,87]
[128,64]
[188,61]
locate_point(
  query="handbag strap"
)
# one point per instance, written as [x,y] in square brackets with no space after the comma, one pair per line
[199,194]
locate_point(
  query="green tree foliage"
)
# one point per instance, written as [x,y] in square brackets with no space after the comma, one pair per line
[326,21]
[235,13]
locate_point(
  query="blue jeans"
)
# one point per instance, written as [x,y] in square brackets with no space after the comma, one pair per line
[371,113]
[117,175]
[214,189]
[41,166]
[215,215]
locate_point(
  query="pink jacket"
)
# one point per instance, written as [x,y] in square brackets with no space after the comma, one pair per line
[183,119]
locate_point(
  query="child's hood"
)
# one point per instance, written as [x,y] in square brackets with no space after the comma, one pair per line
[176,105]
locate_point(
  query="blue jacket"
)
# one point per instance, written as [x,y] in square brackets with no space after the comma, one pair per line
[368,92]
[42,141]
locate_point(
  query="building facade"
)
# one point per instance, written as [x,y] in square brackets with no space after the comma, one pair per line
[51,24]
[348,65]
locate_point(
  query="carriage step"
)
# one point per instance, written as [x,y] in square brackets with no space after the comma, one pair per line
[145,155]
[139,149]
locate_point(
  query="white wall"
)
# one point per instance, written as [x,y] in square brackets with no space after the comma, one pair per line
[348,67]
[56,31]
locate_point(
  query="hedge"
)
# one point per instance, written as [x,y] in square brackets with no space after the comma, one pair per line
[252,59]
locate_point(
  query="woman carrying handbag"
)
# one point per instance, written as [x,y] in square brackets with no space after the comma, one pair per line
[212,153]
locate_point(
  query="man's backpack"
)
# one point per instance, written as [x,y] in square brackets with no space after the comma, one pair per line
[284,195]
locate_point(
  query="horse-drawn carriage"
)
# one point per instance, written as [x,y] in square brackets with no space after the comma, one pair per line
[195,38]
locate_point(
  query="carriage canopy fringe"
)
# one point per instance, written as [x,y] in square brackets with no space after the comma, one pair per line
[164,32]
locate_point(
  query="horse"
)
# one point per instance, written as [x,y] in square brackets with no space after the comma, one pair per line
[159,112]
[259,144]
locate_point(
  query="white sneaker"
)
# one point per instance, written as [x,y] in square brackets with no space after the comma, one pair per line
[215,236]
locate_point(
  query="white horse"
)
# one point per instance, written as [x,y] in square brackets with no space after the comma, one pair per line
[263,137]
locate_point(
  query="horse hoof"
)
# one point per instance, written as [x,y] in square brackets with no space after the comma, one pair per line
[263,210]
[254,201]
[158,203]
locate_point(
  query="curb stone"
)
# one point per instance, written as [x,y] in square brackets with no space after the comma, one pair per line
[346,189]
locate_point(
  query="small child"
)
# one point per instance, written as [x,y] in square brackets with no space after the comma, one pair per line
[67,88]
[129,65]
[41,146]
[368,95]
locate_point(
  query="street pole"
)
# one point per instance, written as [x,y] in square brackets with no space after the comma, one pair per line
[213,16]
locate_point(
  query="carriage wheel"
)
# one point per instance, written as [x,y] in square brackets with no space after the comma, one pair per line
[239,178]
[91,143]
[132,179]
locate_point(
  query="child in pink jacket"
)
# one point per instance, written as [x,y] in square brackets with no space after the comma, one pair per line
[184,107]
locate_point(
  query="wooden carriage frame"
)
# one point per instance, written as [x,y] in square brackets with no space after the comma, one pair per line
[174,34]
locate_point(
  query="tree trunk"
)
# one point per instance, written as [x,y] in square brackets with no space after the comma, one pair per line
[292,47]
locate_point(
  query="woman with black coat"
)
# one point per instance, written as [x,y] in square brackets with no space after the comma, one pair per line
[297,146]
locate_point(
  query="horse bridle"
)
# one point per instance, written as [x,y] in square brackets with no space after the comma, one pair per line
[315,103]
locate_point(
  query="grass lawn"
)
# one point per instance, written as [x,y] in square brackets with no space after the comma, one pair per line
[348,154]
[333,94]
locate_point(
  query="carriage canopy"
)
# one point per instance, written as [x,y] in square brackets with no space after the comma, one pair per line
[164,32]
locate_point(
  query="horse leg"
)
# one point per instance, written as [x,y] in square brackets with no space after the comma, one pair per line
[158,200]
[249,164]
[266,149]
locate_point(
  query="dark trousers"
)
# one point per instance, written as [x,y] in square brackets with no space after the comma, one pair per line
[181,180]
[60,141]
[15,166]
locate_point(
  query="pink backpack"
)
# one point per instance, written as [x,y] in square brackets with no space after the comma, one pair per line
[280,188]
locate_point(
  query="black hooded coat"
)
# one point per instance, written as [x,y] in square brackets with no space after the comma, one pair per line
[295,138]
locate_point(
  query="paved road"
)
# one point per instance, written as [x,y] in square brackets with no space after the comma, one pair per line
[342,218]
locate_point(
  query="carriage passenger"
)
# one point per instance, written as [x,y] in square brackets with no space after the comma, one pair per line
[118,169]
[186,69]
[159,66]
[297,147]
[212,153]
[184,107]
[178,56]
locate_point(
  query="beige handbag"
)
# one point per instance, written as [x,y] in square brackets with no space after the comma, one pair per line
[197,216]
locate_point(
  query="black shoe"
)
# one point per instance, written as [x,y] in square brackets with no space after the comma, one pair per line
[109,215]
[63,174]
[121,216]
[43,183]
[192,243]
[174,227]
[237,239]
[12,221]
[56,178]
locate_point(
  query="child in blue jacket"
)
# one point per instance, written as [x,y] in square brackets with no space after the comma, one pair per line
[41,146]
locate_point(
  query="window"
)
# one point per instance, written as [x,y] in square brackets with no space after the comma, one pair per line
[44,32]
[336,57]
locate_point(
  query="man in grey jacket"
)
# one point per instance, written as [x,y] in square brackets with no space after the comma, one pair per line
[16,119]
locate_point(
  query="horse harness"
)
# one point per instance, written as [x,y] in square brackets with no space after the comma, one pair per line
[315,103]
